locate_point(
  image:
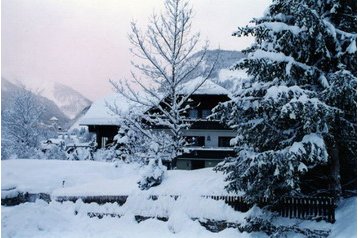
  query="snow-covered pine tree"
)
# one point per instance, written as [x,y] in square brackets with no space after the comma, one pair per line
[165,60]
[298,108]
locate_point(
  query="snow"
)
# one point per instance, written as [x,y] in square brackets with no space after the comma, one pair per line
[40,219]
[76,125]
[55,219]
[352,48]
[225,74]
[67,99]
[346,216]
[100,178]
[100,112]
[302,167]
[53,119]
[278,57]
[323,80]
[276,92]
[206,88]
[280,26]
[69,219]
[231,79]
[44,176]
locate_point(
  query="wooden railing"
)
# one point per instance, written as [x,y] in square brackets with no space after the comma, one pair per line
[316,208]
[308,208]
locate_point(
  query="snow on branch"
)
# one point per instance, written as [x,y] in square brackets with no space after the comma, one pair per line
[278,57]
[280,26]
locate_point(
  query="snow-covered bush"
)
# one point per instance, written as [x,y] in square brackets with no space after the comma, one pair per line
[152,174]
[55,152]
[105,154]
[83,135]
[80,153]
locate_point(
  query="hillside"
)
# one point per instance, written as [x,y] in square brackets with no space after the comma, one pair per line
[224,60]
[8,90]
[68,100]
[222,73]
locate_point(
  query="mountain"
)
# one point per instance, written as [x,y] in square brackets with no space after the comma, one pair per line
[68,100]
[8,90]
[75,123]
[224,60]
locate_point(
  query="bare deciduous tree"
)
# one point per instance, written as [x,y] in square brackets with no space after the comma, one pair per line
[165,61]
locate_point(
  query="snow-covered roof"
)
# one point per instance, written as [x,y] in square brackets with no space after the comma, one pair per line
[53,119]
[206,88]
[100,112]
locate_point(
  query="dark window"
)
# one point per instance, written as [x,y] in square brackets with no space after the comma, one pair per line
[193,113]
[195,140]
[205,113]
[224,141]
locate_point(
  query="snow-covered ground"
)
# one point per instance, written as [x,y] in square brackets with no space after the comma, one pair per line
[83,178]
[58,220]
[69,219]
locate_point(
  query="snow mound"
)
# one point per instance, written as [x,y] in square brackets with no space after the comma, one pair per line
[40,219]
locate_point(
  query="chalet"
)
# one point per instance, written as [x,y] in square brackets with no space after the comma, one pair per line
[209,139]
[102,121]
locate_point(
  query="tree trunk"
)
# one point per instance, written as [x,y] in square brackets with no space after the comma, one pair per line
[334,170]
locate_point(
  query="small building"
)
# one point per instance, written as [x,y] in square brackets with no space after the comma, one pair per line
[102,121]
[54,123]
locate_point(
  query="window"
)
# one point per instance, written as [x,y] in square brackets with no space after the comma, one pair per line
[205,113]
[193,113]
[195,140]
[224,141]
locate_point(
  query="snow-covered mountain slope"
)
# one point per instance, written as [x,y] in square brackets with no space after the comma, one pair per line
[230,79]
[75,122]
[223,59]
[9,90]
[222,74]
[67,99]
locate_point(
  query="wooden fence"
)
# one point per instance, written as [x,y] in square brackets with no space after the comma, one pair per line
[313,208]
[308,208]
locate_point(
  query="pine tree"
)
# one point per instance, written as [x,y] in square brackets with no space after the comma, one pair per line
[297,110]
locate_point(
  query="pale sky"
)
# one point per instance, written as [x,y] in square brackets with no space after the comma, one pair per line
[84,43]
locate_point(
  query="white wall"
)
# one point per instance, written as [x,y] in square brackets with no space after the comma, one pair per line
[213,134]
